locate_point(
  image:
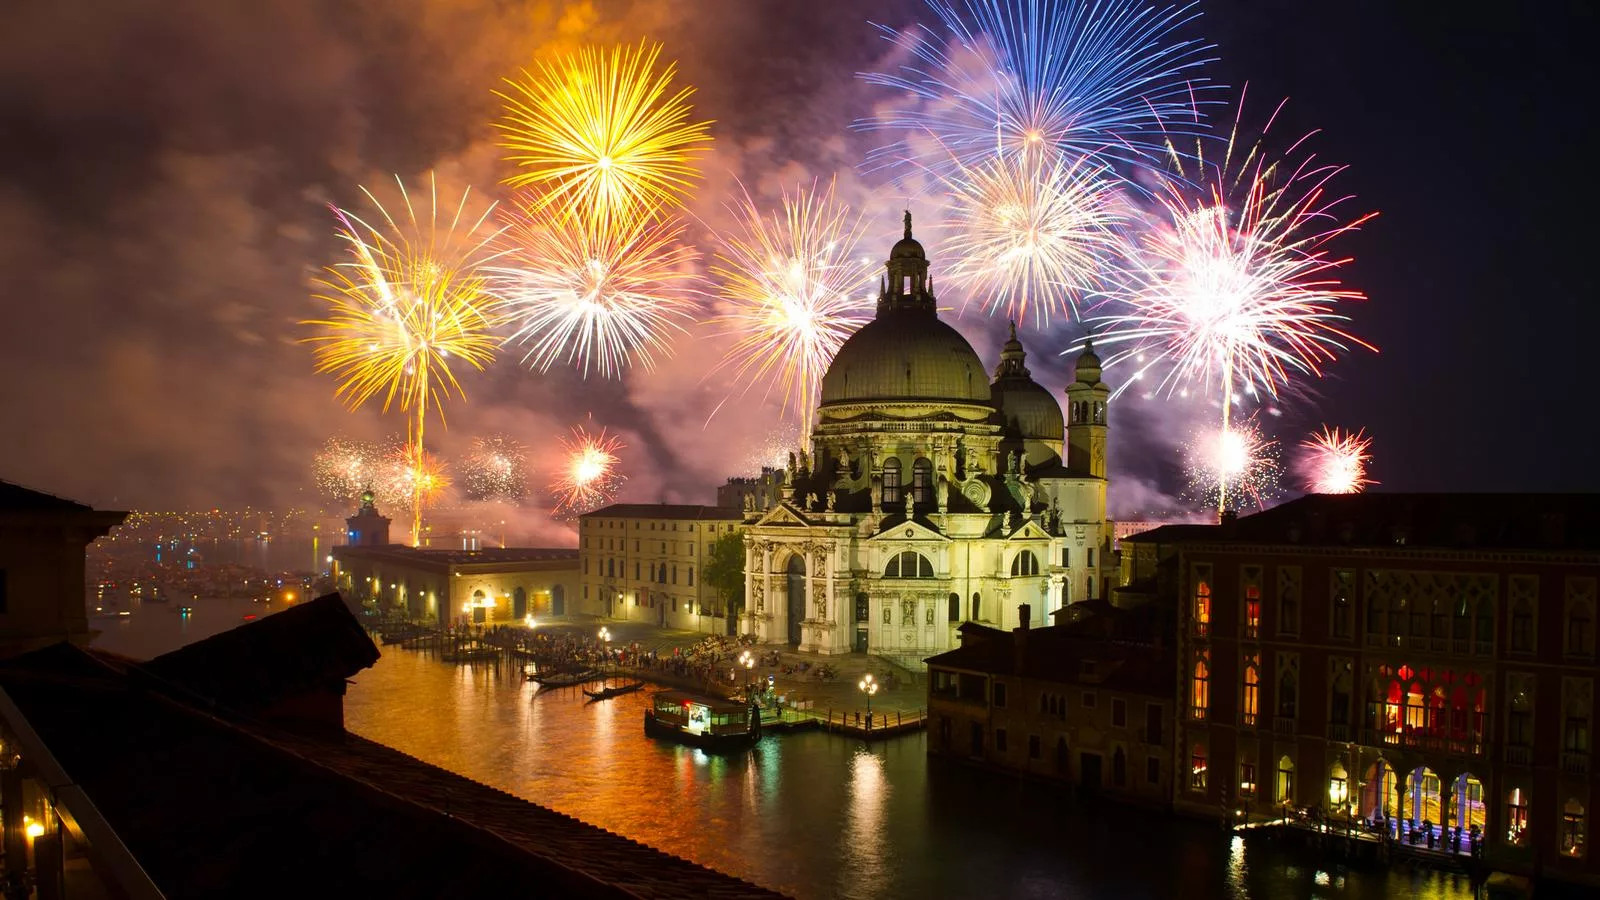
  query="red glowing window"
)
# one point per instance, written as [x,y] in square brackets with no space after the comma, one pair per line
[1406,673]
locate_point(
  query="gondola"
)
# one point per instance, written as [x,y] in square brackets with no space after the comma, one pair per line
[564,679]
[606,693]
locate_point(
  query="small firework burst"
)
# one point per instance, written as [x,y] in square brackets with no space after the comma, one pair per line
[1335,461]
[587,477]
[1234,462]
[344,468]
[410,479]
[496,469]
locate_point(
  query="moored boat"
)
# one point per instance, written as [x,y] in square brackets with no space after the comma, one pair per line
[564,679]
[705,722]
[606,693]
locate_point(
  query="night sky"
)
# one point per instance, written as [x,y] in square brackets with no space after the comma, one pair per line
[165,169]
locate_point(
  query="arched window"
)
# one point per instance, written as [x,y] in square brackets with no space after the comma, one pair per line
[955,608]
[1285,793]
[908,564]
[922,481]
[1200,687]
[1197,768]
[891,481]
[1288,695]
[1572,829]
[977,608]
[1252,694]
[1202,608]
[1024,563]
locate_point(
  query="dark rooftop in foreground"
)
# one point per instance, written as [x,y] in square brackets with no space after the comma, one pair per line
[213,802]
[664,511]
[1124,645]
[1547,522]
[16,498]
[452,557]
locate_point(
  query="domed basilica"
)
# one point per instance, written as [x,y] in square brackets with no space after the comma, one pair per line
[930,495]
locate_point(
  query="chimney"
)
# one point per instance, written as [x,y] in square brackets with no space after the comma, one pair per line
[1024,613]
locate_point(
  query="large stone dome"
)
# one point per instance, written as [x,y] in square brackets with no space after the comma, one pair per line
[905,355]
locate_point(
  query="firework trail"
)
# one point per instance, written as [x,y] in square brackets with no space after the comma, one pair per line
[793,288]
[1236,461]
[598,296]
[496,469]
[1335,461]
[1033,234]
[1103,80]
[599,135]
[408,308]
[588,476]
[1232,282]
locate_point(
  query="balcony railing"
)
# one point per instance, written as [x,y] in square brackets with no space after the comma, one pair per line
[1457,745]
[1284,725]
[1484,648]
[1519,755]
[1575,762]
[1460,645]
[1338,731]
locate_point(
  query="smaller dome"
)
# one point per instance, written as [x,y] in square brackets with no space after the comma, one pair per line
[1029,408]
[908,248]
[1088,368]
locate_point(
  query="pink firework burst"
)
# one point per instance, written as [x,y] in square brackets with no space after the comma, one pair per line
[1335,461]
[587,478]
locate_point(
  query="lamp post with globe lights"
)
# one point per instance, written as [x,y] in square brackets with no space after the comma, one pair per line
[869,687]
[748,662]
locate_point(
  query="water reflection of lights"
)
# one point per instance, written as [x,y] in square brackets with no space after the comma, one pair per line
[866,852]
[1236,868]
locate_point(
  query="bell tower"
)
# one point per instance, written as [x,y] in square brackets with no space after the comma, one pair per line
[1086,417]
[907,285]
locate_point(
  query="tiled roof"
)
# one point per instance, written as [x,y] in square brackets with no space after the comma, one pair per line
[426,556]
[1056,653]
[16,498]
[251,666]
[665,511]
[1379,519]
[211,807]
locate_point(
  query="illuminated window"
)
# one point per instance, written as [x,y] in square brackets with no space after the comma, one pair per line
[1572,829]
[1197,768]
[891,481]
[908,564]
[1200,691]
[1024,563]
[1247,779]
[1285,794]
[1252,694]
[1517,817]
[1252,611]
[922,481]
[1202,608]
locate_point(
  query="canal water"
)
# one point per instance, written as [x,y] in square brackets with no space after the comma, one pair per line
[812,815]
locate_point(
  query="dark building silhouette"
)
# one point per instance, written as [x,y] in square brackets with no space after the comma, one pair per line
[367,528]
[1426,658]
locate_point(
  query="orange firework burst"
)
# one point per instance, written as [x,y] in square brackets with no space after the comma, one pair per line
[588,477]
[599,134]
[1335,461]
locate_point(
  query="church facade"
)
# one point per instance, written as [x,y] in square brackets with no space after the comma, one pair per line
[931,495]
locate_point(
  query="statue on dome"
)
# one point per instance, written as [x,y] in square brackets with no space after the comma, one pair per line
[911,503]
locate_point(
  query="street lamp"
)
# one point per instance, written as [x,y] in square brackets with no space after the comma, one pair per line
[749,662]
[868,687]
